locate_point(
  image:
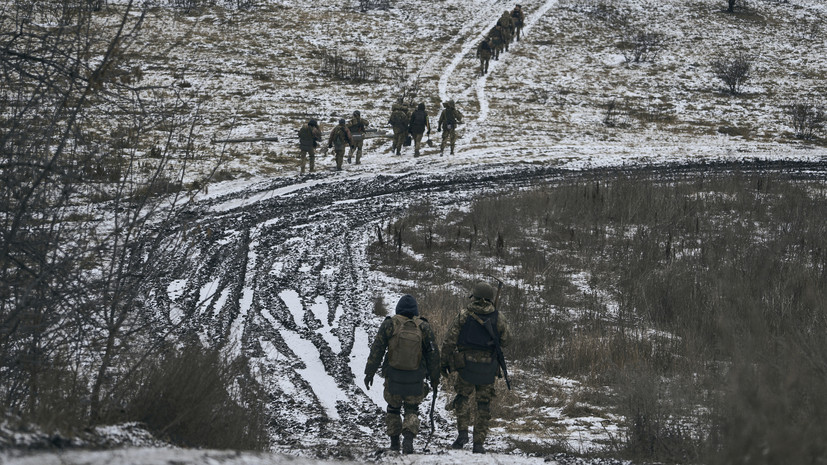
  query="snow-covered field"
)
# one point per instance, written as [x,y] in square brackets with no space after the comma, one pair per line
[281,270]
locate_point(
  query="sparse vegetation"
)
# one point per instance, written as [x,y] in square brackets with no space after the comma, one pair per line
[806,119]
[733,70]
[696,299]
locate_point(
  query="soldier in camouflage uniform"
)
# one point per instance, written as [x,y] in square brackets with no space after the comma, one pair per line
[448,120]
[399,122]
[519,20]
[309,137]
[339,139]
[468,350]
[357,127]
[417,126]
[496,36]
[507,25]
[403,388]
[484,54]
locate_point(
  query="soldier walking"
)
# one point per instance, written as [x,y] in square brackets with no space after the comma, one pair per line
[484,54]
[507,25]
[469,349]
[309,137]
[357,127]
[399,122]
[497,44]
[339,139]
[419,123]
[519,20]
[412,356]
[448,120]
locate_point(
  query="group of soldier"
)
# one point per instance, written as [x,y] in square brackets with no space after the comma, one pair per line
[507,29]
[406,123]
[405,350]
[409,125]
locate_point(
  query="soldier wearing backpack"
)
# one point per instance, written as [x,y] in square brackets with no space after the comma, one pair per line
[519,20]
[339,139]
[399,122]
[484,54]
[412,356]
[417,126]
[357,127]
[469,349]
[448,120]
[309,137]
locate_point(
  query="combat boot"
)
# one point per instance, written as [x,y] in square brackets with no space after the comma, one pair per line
[395,442]
[478,448]
[462,439]
[407,443]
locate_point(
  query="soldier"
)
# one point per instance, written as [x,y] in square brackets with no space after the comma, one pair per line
[399,121]
[419,123]
[357,127]
[469,350]
[507,25]
[519,20]
[484,54]
[496,35]
[339,138]
[309,137]
[448,120]
[412,356]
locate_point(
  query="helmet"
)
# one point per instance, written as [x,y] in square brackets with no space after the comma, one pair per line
[356,113]
[312,122]
[483,291]
[342,121]
[421,106]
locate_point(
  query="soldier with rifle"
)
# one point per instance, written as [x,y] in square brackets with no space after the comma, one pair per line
[473,349]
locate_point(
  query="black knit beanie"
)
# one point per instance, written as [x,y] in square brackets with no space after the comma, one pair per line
[407,306]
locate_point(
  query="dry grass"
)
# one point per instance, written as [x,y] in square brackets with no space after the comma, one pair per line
[696,298]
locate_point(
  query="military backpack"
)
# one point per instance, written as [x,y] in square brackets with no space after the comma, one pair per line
[405,344]
[398,118]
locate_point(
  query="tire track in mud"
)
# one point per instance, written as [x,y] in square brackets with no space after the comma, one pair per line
[285,282]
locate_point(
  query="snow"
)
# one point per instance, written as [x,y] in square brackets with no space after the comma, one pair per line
[506,127]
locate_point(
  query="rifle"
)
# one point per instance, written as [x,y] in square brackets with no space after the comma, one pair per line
[488,327]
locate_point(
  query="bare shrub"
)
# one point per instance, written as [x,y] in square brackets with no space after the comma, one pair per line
[196,398]
[615,113]
[734,71]
[350,68]
[806,119]
[641,46]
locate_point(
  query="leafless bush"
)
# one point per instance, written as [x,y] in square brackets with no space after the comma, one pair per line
[84,213]
[806,119]
[615,113]
[641,46]
[197,398]
[734,71]
[355,68]
[365,5]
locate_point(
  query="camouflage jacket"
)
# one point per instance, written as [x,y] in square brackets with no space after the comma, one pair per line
[379,348]
[357,125]
[309,137]
[339,137]
[449,114]
[449,346]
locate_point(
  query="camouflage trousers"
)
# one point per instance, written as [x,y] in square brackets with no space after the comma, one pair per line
[394,421]
[449,136]
[484,395]
[303,154]
[358,142]
[417,142]
[340,157]
[399,136]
